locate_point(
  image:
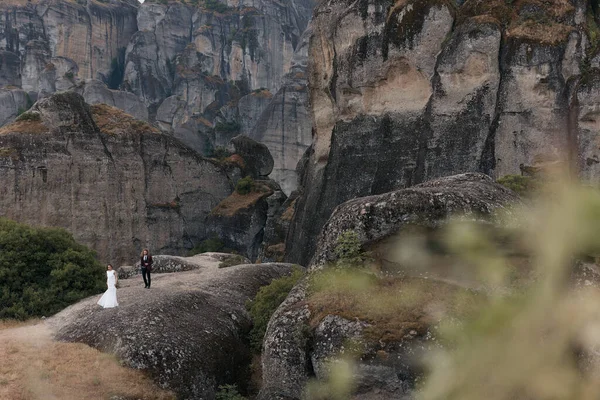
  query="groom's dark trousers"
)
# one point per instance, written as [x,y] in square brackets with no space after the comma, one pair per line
[146,276]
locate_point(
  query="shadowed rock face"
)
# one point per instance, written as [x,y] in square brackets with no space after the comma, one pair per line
[294,350]
[403,92]
[189,331]
[116,183]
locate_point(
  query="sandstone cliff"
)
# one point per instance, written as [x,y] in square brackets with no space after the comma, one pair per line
[204,71]
[50,42]
[116,183]
[406,91]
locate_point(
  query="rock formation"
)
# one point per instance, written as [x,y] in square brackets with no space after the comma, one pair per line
[297,346]
[403,92]
[285,125]
[41,36]
[116,183]
[189,331]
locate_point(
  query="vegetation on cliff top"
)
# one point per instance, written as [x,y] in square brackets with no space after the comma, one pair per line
[43,270]
[542,21]
[113,121]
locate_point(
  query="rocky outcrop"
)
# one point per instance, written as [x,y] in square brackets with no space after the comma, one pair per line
[44,34]
[96,92]
[240,219]
[285,125]
[114,182]
[300,339]
[12,103]
[403,92]
[206,57]
[192,334]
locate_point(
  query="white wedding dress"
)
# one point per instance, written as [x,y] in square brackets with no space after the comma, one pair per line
[109,298]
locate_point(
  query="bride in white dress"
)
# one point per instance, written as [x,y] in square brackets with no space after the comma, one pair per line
[109,298]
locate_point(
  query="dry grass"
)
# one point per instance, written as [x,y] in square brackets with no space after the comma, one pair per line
[288,214]
[276,252]
[12,323]
[236,202]
[7,152]
[35,367]
[262,93]
[550,33]
[113,121]
[34,127]
[552,13]
[401,305]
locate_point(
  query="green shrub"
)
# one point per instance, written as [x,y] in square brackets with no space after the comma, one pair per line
[220,153]
[217,6]
[228,392]
[43,270]
[245,185]
[228,127]
[210,245]
[266,302]
[29,116]
[522,185]
[20,111]
[234,260]
[348,249]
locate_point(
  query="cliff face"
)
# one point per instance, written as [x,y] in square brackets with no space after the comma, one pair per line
[43,35]
[202,71]
[285,125]
[116,183]
[406,91]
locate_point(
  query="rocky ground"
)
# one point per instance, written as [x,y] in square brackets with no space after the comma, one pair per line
[188,331]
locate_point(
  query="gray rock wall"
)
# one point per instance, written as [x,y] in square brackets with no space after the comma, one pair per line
[405,92]
[117,188]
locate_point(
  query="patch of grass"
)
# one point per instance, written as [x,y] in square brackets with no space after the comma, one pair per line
[265,303]
[29,116]
[228,127]
[236,202]
[522,185]
[245,185]
[228,392]
[210,245]
[6,152]
[220,153]
[348,250]
[35,126]
[395,308]
[113,121]
[232,261]
[34,367]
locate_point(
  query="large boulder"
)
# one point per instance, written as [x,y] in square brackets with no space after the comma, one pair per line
[302,339]
[258,161]
[189,331]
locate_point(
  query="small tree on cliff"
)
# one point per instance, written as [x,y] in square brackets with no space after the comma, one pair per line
[43,270]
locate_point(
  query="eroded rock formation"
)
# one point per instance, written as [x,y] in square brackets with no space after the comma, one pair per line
[300,339]
[116,183]
[402,92]
[189,331]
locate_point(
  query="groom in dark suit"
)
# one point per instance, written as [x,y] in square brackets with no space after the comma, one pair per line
[146,263]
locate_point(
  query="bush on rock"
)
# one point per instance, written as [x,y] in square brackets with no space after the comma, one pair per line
[43,270]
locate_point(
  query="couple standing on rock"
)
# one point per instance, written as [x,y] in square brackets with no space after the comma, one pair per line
[109,298]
